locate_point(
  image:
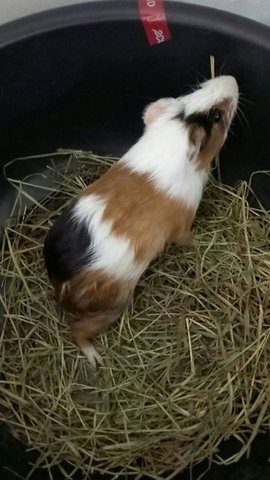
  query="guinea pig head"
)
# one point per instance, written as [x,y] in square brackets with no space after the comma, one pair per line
[204,117]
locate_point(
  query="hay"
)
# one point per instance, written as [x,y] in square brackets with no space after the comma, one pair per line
[186,367]
[213,75]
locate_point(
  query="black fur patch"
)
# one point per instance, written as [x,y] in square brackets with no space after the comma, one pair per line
[201,119]
[205,120]
[67,247]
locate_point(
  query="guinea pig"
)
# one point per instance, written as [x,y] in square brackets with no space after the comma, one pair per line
[97,250]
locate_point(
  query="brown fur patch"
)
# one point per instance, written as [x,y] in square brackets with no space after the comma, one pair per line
[86,328]
[140,212]
[93,291]
[211,144]
[96,299]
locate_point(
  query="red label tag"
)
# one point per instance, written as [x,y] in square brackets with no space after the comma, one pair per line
[153,16]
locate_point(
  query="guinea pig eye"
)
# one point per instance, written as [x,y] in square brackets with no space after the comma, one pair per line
[216,115]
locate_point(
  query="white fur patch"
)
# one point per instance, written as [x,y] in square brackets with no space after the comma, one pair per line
[209,94]
[163,153]
[91,354]
[112,254]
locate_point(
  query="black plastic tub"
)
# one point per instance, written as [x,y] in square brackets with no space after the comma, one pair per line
[79,77]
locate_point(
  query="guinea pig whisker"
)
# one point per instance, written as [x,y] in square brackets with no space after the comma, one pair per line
[245,101]
[242,113]
[199,78]
[243,120]
[222,68]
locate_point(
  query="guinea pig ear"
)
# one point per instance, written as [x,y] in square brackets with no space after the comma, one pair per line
[156,109]
[198,139]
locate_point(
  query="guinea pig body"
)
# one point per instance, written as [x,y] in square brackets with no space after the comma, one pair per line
[97,250]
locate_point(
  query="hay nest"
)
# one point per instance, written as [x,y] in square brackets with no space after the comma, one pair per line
[186,367]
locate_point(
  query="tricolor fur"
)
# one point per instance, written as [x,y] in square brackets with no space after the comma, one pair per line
[97,250]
